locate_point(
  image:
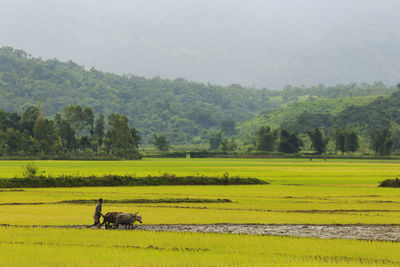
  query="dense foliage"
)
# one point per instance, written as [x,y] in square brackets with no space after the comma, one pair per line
[117,180]
[390,183]
[318,141]
[289,142]
[186,112]
[72,132]
[266,139]
[381,142]
[358,118]
[182,110]
[346,141]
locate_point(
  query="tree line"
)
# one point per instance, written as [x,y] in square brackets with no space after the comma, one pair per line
[344,141]
[74,131]
[284,141]
[79,131]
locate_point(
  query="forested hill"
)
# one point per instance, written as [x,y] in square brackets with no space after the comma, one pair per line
[363,114]
[382,113]
[186,112]
[305,115]
[183,110]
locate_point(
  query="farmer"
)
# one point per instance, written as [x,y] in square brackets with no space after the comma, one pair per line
[97,213]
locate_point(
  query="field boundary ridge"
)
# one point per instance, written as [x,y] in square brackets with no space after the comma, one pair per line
[123,180]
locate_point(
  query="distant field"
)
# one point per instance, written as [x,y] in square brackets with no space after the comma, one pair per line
[301,192]
[280,171]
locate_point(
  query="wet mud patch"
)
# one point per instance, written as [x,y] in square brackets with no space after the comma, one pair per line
[359,232]
[375,232]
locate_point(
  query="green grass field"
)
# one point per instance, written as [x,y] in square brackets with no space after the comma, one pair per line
[279,171]
[301,192]
[70,247]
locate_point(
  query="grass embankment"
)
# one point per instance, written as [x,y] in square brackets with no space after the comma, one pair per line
[127,180]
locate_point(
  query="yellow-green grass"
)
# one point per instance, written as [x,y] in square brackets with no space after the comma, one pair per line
[82,215]
[72,247]
[251,204]
[301,192]
[277,192]
[368,172]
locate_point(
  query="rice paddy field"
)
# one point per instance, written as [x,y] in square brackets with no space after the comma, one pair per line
[333,192]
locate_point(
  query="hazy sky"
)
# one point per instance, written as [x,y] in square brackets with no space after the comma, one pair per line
[254,42]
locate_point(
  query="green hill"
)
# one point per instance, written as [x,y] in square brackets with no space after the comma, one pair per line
[382,113]
[365,114]
[187,113]
[183,110]
[288,116]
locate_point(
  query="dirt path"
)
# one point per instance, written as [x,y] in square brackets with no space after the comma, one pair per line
[359,232]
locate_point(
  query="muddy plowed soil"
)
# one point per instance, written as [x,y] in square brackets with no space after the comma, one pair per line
[358,231]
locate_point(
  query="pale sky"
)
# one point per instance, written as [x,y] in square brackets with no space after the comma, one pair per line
[259,43]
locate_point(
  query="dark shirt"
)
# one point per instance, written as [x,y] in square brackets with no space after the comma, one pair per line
[97,211]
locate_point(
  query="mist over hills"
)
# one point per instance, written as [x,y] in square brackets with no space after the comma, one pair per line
[254,43]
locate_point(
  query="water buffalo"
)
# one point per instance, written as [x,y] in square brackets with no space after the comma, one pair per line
[109,218]
[127,219]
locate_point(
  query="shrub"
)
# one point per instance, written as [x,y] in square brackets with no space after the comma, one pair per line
[390,183]
[127,180]
[31,171]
